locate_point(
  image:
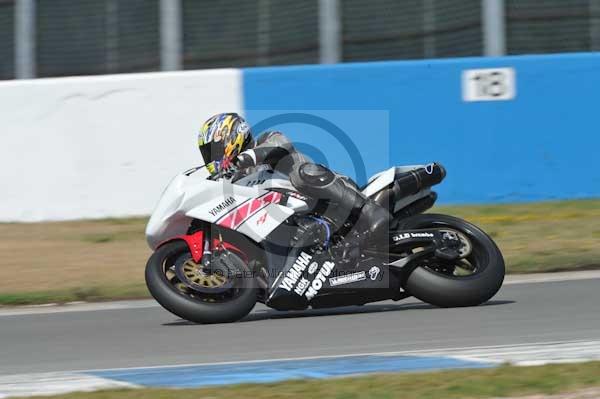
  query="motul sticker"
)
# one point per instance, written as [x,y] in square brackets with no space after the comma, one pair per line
[320,278]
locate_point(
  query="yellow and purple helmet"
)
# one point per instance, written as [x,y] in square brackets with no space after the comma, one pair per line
[222,138]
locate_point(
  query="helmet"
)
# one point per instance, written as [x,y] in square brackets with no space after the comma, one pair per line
[222,138]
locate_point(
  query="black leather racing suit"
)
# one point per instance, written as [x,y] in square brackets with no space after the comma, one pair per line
[319,182]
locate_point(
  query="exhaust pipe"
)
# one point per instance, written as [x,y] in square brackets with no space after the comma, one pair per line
[411,182]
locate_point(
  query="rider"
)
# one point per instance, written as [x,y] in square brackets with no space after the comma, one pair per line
[228,148]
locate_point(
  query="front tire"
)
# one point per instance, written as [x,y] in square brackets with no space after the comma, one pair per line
[196,308]
[446,290]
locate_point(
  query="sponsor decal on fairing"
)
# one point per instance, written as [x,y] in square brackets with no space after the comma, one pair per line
[222,206]
[239,215]
[347,278]
[302,286]
[262,218]
[404,236]
[374,272]
[320,278]
[292,276]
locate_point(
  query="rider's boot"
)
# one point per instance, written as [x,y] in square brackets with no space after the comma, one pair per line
[346,200]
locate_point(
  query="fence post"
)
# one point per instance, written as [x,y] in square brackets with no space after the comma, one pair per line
[112,36]
[429,28]
[494,27]
[330,32]
[25,32]
[170,35]
[594,25]
[263,38]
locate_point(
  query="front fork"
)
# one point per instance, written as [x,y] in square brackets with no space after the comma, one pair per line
[200,248]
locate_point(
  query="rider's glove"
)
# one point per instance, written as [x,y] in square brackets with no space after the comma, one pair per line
[244,160]
[228,168]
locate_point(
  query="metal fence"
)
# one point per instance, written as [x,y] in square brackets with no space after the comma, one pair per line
[411,29]
[79,37]
[248,33]
[552,26]
[7,40]
[96,37]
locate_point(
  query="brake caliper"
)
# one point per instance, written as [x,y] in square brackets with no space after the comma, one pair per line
[450,246]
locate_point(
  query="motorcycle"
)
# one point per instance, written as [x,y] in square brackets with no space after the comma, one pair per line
[221,245]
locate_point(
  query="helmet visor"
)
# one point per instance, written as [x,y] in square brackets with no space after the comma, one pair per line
[212,152]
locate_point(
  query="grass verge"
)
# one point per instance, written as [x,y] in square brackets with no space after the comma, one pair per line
[540,237]
[105,259]
[505,381]
[87,294]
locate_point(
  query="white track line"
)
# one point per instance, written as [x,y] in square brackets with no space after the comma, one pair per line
[55,384]
[551,277]
[78,307]
[493,354]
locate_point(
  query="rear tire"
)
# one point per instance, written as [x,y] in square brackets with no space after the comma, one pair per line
[452,291]
[189,308]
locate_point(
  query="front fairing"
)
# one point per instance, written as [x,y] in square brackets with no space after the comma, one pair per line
[168,218]
[250,210]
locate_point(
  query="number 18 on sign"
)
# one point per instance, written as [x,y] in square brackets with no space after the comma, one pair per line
[492,84]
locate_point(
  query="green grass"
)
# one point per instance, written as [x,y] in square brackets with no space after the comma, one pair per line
[97,260]
[540,237]
[458,384]
[87,294]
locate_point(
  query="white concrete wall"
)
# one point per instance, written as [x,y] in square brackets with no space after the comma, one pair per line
[91,147]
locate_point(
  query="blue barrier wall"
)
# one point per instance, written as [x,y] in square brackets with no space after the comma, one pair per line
[542,145]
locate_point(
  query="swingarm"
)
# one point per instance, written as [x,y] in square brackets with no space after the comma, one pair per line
[410,245]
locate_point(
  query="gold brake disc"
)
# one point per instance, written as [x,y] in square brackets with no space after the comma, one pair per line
[195,276]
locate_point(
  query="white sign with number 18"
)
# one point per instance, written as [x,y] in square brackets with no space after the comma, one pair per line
[491,84]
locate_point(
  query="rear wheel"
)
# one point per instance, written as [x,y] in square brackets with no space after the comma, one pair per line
[471,280]
[192,291]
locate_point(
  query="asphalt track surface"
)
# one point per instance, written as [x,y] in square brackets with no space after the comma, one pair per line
[146,335]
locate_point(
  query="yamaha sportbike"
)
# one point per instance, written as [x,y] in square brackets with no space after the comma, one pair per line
[221,245]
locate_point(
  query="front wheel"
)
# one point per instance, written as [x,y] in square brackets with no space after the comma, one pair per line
[470,281]
[190,291]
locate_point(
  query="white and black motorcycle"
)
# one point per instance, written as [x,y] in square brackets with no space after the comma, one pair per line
[220,246]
